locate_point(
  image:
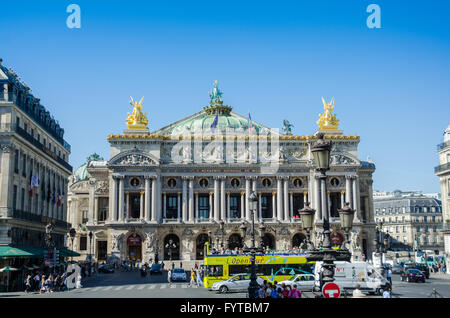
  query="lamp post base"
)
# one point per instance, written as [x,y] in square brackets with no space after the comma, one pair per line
[328,256]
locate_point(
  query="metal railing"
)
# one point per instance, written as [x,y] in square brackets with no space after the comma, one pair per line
[445,166]
[25,135]
[27,216]
[443,145]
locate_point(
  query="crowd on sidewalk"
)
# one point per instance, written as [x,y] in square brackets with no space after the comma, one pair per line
[57,280]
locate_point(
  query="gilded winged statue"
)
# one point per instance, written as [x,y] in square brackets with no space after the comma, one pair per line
[328,121]
[137,120]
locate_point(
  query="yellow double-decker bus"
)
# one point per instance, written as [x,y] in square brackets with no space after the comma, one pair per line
[271,267]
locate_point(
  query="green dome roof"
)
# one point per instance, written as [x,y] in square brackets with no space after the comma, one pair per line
[203,121]
[81,172]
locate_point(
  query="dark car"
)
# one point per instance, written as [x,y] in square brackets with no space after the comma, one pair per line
[412,275]
[156,269]
[424,269]
[105,269]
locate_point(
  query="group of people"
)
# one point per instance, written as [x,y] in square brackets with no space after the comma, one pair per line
[275,290]
[57,280]
[47,284]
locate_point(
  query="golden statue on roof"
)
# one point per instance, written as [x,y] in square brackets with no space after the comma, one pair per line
[328,121]
[137,120]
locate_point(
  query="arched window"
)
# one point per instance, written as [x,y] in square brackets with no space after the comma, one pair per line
[200,246]
[235,240]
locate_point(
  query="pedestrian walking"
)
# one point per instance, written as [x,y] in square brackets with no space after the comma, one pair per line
[199,279]
[192,282]
[28,284]
[389,275]
[169,277]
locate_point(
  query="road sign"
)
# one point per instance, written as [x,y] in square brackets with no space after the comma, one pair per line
[331,290]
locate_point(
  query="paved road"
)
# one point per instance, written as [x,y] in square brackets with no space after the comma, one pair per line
[132,285]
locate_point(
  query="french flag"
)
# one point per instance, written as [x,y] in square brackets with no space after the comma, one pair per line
[249,123]
[59,199]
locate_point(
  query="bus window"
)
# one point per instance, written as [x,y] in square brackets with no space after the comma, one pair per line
[214,270]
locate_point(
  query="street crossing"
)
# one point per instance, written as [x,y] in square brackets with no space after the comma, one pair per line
[133,287]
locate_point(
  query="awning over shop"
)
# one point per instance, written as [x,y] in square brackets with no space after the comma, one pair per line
[25,252]
[65,252]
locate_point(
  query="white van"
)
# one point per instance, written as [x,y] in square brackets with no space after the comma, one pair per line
[347,275]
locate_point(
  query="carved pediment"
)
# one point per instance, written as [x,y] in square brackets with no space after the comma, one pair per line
[133,159]
[342,160]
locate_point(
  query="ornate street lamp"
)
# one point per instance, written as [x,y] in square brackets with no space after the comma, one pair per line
[307,219]
[243,229]
[346,218]
[72,234]
[321,152]
[253,286]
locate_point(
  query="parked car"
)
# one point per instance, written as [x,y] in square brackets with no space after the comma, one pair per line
[156,269]
[107,269]
[178,274]
[424,269]
[238,282]
[397,269]
[412,275]
[303,281]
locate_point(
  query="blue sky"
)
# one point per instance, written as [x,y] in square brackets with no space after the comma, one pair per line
[275,59]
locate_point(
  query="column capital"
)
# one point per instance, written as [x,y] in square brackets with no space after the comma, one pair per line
[242,193]
[342,192]
[305,193]
[274,193]
[211,193]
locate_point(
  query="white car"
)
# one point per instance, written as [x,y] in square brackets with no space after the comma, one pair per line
[238,282]
[303,281]
[178,274]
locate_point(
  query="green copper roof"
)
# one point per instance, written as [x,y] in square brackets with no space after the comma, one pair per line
[202,122]
[81,172]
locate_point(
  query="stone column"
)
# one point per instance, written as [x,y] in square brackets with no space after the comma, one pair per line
[355,190]
[91,206]
[280,215]
[179,206]
[305,198]
[291,204]
[247,195]
[141,208]
[154,202]
[211,206]
[324,197]
[342,199]
[113,199]
[317,195]
[228,208]
[184,199]
[121,198]
[274,206]
[191,200]
[164,206]
[348,190]
[147,199]
[216,199]
[127,210]
[242,206]
[286,199]
[371,215]
[259,212]
[96,209]
[222,199]
[196,216]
